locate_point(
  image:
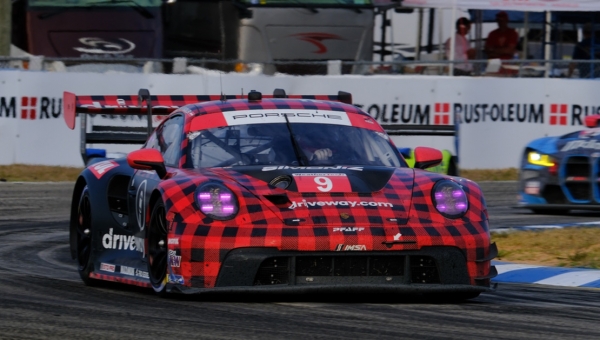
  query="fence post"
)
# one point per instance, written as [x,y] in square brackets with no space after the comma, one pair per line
[179,65]
[36,63]
[334,67]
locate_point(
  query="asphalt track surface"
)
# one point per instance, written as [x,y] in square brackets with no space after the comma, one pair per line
[41,296]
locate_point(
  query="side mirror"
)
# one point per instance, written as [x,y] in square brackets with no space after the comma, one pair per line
[427,157]
[148,159]
[592,121]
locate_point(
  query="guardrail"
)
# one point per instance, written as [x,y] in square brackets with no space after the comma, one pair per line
[491,68]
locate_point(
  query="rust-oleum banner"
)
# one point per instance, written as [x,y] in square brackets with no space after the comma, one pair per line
[497,116]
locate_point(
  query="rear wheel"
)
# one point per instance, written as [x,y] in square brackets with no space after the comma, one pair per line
[157,249]
[84,238]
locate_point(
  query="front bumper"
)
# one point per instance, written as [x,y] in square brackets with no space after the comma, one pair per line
[268,270]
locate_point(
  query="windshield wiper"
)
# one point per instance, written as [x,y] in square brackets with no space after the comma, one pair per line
[299,154]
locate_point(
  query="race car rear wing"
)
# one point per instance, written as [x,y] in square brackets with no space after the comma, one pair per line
[148,105]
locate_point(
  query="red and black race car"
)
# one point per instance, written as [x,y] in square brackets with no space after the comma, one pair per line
[272,193]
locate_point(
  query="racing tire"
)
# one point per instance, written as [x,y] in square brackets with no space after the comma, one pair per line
[85,239]
[158,249]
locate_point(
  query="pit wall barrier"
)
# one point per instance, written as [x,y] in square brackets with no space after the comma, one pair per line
[498,116]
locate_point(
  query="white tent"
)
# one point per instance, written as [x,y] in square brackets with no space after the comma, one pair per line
[510,5]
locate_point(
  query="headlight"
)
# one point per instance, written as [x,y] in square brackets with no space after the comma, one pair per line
[450,199]
[539,159]
[216,201]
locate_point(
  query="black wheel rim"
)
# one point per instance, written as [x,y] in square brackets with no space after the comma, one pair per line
[84,232]
[157,247]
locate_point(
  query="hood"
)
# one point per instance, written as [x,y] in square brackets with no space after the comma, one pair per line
[545,145]
[324,195]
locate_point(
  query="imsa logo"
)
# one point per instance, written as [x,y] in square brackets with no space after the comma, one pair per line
[351,247]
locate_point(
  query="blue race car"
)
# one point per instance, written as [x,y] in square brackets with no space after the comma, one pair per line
[559,174]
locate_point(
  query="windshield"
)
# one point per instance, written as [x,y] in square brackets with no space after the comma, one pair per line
[272,144]
[308,3]
[94,3]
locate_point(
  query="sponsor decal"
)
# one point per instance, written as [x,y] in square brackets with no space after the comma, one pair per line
[558,114]
[31,108]
[176,279]
[305,203]
[142,274]
[174,260]
[581,144]
[134,272]
[139,245]
[350,247]
[173,241]
[119,242]
[512,112]
[285,167]
[28,105]
[400,113]
[442,114]
[317,38]
[140,205]
[348,229]
[324,182]
[107,267]
[293,116]
[95,45]
[101,168]
[397,237]
[127,270]
[345,216]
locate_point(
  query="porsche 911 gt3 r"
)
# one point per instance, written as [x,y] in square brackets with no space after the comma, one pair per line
[273,194]
[559,174]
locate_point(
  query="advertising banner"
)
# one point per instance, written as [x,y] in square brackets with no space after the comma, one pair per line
[497,116]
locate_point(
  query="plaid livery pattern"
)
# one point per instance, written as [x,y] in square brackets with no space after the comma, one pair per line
[163,104]
[113,278]
[403,208]
[203,242]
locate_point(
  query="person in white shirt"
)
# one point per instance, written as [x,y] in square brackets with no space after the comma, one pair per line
[462,48]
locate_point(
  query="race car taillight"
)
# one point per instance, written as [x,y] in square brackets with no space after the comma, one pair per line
[450,199]
[217,201]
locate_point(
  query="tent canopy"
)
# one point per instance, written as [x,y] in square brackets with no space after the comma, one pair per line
[510,5]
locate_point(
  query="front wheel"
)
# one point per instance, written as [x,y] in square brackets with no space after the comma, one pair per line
[84,238]
[157,249]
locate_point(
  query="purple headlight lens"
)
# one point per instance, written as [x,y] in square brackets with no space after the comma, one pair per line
[450,199]
[217,201]
[458,193]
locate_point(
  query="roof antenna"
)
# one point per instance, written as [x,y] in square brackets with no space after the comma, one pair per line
[223,97]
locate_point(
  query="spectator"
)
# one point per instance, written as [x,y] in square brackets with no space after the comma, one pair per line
[462,50]
[582,51]
[502,42]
